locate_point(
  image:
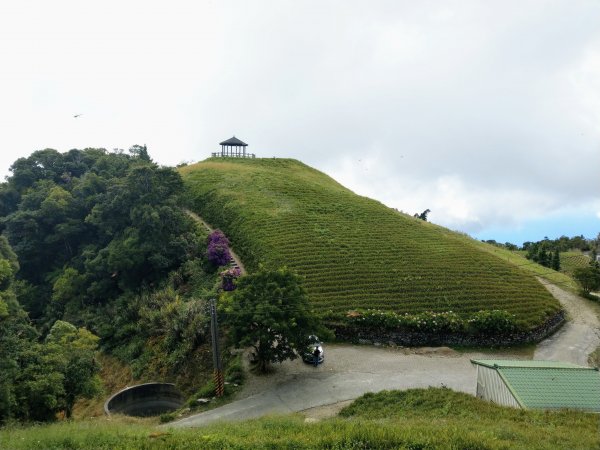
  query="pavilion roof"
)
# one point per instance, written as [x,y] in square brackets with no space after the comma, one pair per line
[234,142]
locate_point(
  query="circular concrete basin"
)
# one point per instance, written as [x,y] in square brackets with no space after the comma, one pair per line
[148,399]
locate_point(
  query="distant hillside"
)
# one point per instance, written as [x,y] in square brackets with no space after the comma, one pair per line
[353,251]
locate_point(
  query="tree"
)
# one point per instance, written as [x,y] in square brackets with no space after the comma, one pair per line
[588,277]
[77,347]
[141,152]
[269,312]
[217,251]
[228,278]
[556,260]
[423,215]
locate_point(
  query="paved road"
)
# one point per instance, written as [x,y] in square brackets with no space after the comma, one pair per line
[579,337]
[350,371]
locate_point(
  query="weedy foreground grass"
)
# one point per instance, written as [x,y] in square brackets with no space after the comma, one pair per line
[417,419]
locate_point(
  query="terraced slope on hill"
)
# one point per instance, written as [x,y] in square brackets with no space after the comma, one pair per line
[353,251]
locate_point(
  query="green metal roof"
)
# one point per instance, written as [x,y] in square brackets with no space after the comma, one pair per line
[496,363]
[549,384]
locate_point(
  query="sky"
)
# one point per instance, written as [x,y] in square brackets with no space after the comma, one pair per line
[486,113]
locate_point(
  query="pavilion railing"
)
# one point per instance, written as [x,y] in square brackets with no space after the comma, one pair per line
[241,155]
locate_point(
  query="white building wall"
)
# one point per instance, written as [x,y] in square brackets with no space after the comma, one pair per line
[491,387]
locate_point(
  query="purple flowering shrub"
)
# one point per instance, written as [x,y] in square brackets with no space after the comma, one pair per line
[228,278]
[217,236]
[217,250]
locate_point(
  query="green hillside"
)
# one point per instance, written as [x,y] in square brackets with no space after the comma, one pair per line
[569,261]
[353,251]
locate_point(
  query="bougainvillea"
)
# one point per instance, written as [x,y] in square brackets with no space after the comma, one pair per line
[228,278]
[217,237]
[217,250]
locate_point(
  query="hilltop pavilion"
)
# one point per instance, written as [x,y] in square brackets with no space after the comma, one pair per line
[233,148]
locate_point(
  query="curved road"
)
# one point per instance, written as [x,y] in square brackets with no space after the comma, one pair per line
[350,371]
[579,337]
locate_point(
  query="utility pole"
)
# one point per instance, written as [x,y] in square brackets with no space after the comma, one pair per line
[214,333]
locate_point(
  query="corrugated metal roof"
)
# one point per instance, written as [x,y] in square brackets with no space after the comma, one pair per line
[549,384]
[495,363]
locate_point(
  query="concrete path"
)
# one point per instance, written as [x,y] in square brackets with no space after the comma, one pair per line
[579,337]
[348,372]
[351,371]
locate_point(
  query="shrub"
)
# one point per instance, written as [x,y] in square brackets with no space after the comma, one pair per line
[217,250]
[208,390]
[235,371]
[167,417]
[486,322]
[228,278]
[427,322]
[492,322]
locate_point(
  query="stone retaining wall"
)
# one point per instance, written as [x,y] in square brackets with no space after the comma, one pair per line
[355,334]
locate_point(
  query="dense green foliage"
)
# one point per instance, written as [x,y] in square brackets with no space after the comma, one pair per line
[102,243]
[544,255]
[565,243]
[561,244]
[269,312]
[353,251]
[88,226]
[423,419]
[39,379]
[491,322]
[588,277]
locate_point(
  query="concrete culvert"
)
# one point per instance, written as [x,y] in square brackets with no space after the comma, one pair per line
[149,399]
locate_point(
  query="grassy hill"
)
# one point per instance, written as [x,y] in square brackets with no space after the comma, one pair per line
[353,251]
[569,261]
[426,419]
[518,259]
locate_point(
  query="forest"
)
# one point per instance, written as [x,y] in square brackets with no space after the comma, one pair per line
[95,254]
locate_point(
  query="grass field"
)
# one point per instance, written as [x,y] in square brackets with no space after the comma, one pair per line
[517,258]
[569,261]
[353,251]
[416,419]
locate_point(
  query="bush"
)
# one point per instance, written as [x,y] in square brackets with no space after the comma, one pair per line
[167,417]
[208,390]
[486,322]
[217,250]
[492,322]
[235,371]
[228,278]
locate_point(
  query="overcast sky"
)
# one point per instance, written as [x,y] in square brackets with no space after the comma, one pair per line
[486,113]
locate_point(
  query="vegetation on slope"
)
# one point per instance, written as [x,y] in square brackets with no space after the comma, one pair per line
[425,419]
[353,251]
[39,377]
[569,261]
[101,243]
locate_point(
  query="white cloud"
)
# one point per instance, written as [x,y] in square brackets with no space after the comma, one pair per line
[485,113]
